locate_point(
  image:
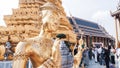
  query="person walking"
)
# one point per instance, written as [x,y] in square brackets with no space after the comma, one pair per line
[102,56]
[95,53]
[112,56]
[86,57]
[99,55]
[90,53]
[106,56]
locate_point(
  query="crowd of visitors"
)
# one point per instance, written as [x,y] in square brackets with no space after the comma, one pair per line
[103,55]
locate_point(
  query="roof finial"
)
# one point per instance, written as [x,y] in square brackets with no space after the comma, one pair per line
[75,23]
[119,2]
[118,7]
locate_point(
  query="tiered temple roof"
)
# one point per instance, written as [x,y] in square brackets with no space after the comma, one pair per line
[89,28]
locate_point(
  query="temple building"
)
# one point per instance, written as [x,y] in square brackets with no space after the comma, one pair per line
[92,32]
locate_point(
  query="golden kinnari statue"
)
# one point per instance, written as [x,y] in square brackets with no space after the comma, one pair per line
[42,50]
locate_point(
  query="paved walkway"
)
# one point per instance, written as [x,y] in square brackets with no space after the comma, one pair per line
[92,64]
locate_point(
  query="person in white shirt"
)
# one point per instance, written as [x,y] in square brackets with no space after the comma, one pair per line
[95,53]
[99,51]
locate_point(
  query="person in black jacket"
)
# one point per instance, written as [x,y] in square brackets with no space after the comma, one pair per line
[106,56]
[90,53]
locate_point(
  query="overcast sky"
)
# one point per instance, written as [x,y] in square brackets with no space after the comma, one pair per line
[93,10]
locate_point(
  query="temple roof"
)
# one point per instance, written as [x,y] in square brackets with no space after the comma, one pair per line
[115,13]
[89,28]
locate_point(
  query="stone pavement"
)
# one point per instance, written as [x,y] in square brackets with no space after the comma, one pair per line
[92,64]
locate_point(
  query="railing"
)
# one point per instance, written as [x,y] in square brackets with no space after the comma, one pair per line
[5,64]
[8,64]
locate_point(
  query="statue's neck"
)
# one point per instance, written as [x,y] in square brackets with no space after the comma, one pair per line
[41,33]
[44,34]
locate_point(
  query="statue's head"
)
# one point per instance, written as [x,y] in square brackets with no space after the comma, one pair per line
[54,20]
[50,17]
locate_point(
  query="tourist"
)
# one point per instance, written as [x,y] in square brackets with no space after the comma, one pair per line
[99,54]
[102,56]
[90,53]
[95,53]
[112,56]
[86,57]
[106,55]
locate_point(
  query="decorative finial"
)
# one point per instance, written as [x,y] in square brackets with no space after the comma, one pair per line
[118,5]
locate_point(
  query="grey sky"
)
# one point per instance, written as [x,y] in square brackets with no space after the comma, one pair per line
[93,10]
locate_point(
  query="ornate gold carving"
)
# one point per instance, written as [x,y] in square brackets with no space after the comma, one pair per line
[49,64]
[21,56]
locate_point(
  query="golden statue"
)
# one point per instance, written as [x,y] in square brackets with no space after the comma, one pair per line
[40,49]
[78,56]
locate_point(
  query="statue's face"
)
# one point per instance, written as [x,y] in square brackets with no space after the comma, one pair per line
[50,27]
[50,20]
